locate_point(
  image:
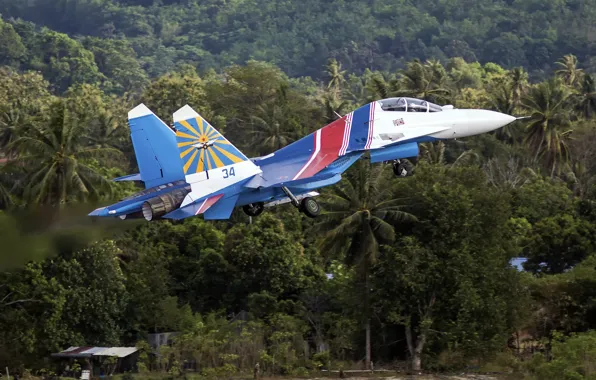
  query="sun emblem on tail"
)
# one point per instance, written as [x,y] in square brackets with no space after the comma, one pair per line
[202,147]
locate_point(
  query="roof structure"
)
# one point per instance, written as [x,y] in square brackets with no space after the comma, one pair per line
[85,352]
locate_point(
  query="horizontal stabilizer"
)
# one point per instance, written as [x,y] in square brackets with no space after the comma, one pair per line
[130,177]
[222,209]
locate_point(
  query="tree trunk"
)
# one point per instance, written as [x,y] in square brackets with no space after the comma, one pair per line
[415,360]
[367,320]
[367,343]
[416,344]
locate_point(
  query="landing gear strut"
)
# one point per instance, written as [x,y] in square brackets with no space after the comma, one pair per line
[308,205]
[403,168]
[253,209]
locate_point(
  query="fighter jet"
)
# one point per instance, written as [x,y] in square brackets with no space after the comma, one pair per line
[192,169]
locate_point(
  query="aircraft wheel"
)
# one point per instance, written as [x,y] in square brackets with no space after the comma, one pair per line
[253,209]
[402,168]
[310,207]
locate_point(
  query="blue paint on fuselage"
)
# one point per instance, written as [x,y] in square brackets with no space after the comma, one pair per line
[359,129]
[279,168]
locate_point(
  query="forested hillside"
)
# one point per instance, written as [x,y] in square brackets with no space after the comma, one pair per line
[299,36]
[409,272]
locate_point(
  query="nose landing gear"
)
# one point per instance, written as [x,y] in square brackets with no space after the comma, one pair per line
[403,168]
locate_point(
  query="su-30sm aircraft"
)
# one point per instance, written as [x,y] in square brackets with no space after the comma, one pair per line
[192,169]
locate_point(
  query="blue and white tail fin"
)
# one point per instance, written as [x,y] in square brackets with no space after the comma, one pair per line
[209,161]
[155,148]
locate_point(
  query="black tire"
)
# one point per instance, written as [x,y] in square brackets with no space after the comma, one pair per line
[253,209]
[310,207]
[403,169]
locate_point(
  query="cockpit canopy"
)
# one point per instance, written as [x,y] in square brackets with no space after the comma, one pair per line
[408,105]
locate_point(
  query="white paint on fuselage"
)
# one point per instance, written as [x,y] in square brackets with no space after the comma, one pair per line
[389,126]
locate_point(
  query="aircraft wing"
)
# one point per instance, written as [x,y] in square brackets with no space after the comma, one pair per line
[304,158]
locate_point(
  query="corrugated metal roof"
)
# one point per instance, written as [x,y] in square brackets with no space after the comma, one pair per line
[94,350]
[120,352]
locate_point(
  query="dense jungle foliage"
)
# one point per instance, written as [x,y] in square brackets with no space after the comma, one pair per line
[420,265]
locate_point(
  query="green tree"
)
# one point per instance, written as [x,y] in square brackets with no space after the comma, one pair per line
[63,61]
[264,257]
[275,125]
[11,45]
[23,98]
[548,129]
[586,97]
[96,291]
[558,243]
[336,78]
[360,214]
[447,280]
[56,165]
[31,311]
[427,81]
[117,60]
[173,91]
[568,71]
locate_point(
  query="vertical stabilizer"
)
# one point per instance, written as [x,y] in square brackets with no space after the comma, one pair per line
[155,148]
[209,161]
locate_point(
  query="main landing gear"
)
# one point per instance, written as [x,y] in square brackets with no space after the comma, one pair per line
[403,168]
[253,209]
[309,206]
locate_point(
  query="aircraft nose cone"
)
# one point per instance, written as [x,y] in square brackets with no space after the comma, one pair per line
[502,119]
[483,121]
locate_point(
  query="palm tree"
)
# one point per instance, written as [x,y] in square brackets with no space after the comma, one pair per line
[586,97]
[503,98]
[361,214]
[547,130]
[434,153]
[381,86]
[272,129]
[568,71]
[519,84]
[507,173]
[336,77]
[333,107]
[426,81]
[57,166]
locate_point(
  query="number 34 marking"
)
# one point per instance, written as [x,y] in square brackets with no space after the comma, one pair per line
[229,173]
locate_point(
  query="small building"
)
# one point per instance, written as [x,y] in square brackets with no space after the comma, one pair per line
[99,361]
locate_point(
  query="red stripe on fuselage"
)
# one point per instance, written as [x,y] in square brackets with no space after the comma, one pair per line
[371,125]
[332,141]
